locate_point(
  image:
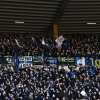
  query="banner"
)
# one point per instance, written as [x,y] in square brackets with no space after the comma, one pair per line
[67,60]
[97,63]
[89,61]
[52,60]
[7,60]
[24,61]
[37,60]
[80,61]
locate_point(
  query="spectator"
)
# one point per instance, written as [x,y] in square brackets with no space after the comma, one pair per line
[52,84]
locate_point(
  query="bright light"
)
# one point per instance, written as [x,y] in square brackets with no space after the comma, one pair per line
[91,23]
[19,22]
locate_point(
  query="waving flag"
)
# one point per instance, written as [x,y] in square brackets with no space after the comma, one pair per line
[59,41]
[18,43]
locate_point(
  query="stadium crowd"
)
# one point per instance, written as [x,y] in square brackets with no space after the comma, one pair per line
[49,83]
[22,44]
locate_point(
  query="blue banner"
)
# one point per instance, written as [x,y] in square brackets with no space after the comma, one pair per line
[89,61]
[52,60]
[24,61]
[80,61]
[37,60]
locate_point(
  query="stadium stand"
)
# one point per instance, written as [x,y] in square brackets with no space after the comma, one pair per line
[20,44]
[49,82]
[49,49]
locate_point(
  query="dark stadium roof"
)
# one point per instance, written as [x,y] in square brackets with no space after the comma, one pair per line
[36,16]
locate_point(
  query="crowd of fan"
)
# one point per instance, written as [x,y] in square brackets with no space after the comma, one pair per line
[49,83]
[21,44]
